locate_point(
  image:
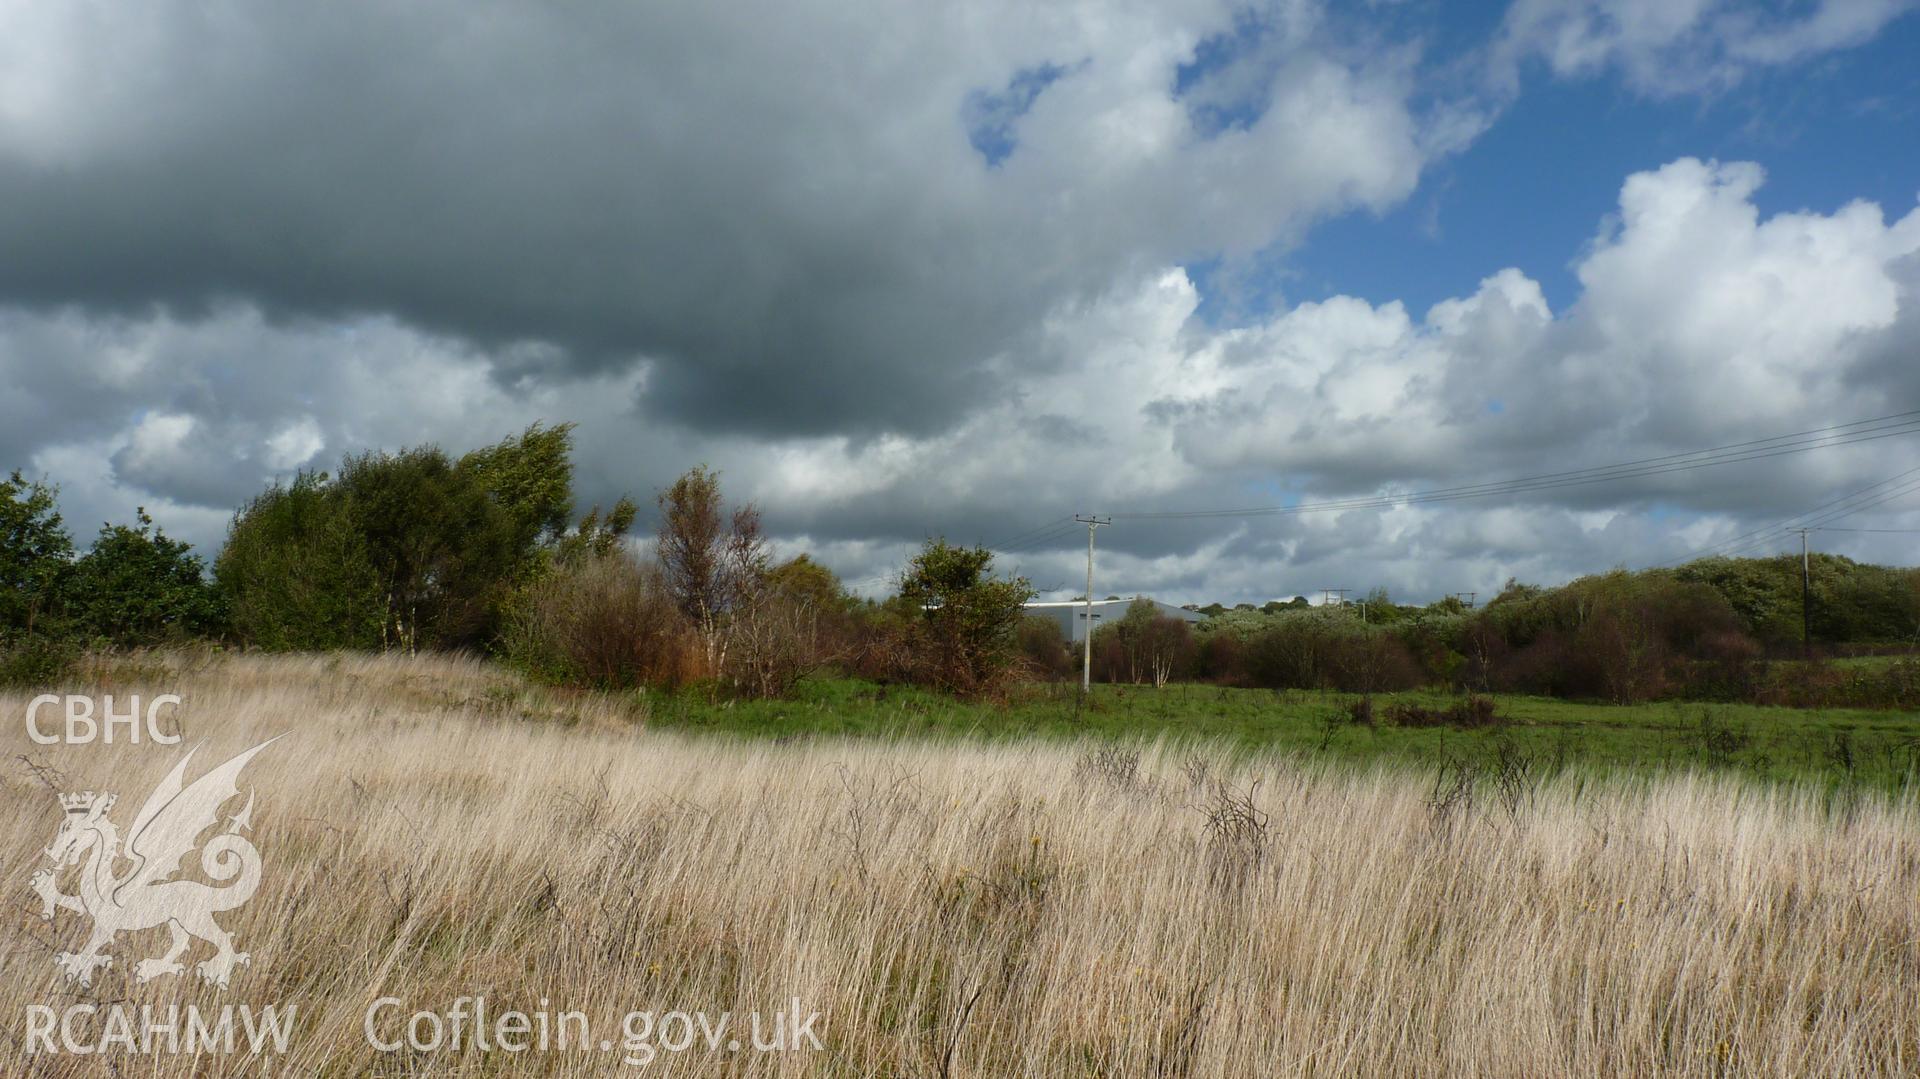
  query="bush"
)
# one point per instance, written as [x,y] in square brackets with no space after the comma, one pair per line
[608,622]
[956,625]
[1621,637]
[1360,711]
[37,661]
[1143,647]
[612,621]
[1044,648]
[1472,713]
[1319,649]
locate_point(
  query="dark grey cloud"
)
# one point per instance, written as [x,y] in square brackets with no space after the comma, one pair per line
[778,205]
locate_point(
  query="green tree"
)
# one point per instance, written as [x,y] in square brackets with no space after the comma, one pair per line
[295,574]
[1379,609]
[967,626]
[808,581]
[36,561]
[531,479]
[597,536]
[411,549]
[36,556]
[136,586]
[445,552]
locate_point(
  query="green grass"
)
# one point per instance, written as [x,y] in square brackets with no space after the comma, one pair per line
[1839,747]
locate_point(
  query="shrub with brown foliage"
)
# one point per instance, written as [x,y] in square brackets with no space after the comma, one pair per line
[1321,649]
[1620,637]
[1044,648]
[608,622]
[1473,712]
[1144,647]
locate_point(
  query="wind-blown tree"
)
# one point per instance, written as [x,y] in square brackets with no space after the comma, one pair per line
[36,556]
[442,550]
[597,536]
[295,573]
[407,550]
[530,478]
[36,560]
[137,586]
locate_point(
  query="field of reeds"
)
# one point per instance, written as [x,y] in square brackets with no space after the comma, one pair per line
[434,829]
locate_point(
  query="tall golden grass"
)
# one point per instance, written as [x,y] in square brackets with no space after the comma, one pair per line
[433,829]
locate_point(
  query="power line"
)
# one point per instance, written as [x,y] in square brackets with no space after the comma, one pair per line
[1019,536]
[1044,539]
[1815,519]
[1875,502]
[1826,511]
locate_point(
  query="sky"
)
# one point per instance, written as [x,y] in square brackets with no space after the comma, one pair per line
[969,269]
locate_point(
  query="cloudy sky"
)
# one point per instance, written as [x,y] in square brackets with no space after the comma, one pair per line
[966,269]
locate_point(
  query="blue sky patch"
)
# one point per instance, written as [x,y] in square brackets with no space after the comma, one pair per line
[991,116]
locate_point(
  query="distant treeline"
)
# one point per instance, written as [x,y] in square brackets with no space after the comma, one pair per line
[486,552]
[1715,629]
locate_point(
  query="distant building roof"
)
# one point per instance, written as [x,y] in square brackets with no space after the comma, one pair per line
[1071,614]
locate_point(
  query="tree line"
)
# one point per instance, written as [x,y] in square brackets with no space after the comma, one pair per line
[487,552]
[420,550]
[1715,629]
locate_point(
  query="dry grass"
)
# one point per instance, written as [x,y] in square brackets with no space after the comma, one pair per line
[432,829]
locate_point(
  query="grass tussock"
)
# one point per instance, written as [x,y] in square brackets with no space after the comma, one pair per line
[434,829]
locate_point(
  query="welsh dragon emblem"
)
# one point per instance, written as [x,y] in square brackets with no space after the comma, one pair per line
[165,831]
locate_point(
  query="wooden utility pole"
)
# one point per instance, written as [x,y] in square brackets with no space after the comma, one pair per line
[1806,595]
[1086,665]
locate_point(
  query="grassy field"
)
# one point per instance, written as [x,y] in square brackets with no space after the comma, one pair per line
[1837,748]
[1069,905]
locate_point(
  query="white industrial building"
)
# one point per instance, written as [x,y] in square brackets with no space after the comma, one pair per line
[1071,615]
